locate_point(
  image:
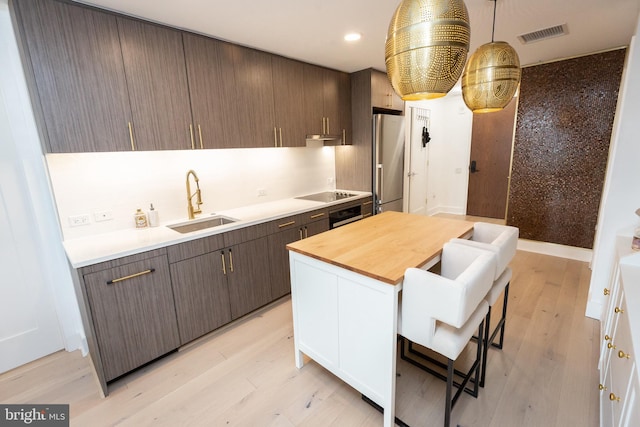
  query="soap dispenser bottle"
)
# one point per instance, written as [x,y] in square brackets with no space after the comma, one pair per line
[140,219]
[153,217]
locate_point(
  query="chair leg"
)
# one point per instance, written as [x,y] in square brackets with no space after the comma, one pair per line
[504,318]
[447,400]
[485,347]
[481,354]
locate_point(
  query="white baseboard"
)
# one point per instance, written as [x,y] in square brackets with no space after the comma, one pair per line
[553,249]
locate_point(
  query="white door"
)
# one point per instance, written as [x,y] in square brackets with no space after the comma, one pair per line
[418,161]
[28,322]
[29,327]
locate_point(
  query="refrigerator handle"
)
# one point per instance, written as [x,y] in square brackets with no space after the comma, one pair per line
[380,172]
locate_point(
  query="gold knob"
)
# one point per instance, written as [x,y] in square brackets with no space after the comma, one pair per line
[618,310]
[623,355]
[613,397]
[607,338]
[601,387]
[609,345]
[606,291]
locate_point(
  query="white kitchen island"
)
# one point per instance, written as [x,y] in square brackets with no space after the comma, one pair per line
[345,286]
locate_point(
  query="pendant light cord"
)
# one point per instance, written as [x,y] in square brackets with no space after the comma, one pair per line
[493,29]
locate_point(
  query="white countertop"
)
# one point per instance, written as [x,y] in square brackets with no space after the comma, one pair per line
[105,247]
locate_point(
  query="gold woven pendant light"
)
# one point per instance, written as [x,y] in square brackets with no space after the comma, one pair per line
[426,48]
[492,75]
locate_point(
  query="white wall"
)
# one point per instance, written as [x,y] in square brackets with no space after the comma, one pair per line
[119,183]
[621,195]
[449,151]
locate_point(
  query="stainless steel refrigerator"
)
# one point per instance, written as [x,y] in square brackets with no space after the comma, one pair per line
[388,162]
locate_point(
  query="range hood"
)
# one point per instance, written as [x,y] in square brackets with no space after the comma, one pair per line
[319,140]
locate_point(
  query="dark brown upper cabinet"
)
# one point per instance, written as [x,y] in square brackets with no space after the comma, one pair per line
[212,86]
[254,95]
[75,56]
[327,101]
[105,82]
[382,93]
[288,84]
[157,82]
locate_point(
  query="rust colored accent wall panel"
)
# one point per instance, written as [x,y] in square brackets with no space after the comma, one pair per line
[564,123]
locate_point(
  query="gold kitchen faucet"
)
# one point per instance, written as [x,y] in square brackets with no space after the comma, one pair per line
[191,211]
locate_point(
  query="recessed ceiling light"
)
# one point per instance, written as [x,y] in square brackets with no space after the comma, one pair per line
[352,37]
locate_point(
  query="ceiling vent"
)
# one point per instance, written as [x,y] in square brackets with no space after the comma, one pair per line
[545,33]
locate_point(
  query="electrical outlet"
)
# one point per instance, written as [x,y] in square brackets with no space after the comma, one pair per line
[103,216]
[330,180]
[262,192]
[78,220]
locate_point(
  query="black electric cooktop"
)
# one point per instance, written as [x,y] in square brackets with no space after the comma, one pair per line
[327,196]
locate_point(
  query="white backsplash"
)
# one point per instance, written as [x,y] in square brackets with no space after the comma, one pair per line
[121,182]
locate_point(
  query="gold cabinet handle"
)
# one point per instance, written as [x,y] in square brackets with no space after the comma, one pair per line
[224,267]
[286,224]
[607,338]
[610,346]
[280,132]
[367,203]
[613,397]
[623,355]
[275,137]
[328,127]
[618,310]
[344,137]
[200,135]
[193,145]
[318,215]
[131,276]
[306,232]
[300,231]
[606,291]
[133,145]
[601,387]
[324,126]
[230,260]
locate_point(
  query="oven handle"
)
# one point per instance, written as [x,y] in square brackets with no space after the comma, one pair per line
[347,221]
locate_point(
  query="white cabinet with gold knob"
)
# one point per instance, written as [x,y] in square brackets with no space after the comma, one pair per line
[619,380]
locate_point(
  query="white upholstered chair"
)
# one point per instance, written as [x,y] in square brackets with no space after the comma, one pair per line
[502,240]
[442,312]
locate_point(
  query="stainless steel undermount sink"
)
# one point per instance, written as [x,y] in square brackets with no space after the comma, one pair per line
[202,224]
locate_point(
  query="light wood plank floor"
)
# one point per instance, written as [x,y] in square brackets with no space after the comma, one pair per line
[245,375]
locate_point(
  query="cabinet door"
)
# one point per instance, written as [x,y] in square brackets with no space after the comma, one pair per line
[134,318]
[201,295]
[313,99]
[157,83]
[212,86]
[382,93]
[249,276]
[279,260]
[316,227]
[254,91]
[79,76]
[288,86]
[344,107]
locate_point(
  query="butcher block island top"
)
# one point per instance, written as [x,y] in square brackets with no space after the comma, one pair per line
[385,245]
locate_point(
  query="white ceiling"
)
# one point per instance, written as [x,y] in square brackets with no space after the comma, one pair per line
[313,30]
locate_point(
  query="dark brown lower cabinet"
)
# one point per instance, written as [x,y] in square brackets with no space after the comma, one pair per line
[218,284]
[279,255]
[133,314]
[249,276]
[201,295]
